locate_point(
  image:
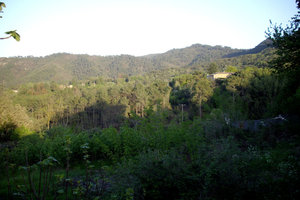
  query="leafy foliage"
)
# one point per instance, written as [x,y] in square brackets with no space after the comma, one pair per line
[157,157]
[14,34]
[287,44]
[131,137]
[14,120]
[2,5]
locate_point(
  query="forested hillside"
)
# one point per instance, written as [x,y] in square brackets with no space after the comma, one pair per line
[64,67]
[166,134]
[156,126]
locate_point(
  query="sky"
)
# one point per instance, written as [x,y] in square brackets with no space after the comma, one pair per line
[136,27]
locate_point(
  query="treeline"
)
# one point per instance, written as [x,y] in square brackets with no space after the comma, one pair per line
[261,60]
[169,134]
[184,147]
[64,67]
[95,103]
[251,93]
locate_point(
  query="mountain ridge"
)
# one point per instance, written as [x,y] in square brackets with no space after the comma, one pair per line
[64,67]
[258,48]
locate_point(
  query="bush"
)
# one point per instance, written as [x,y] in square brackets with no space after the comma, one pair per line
[156,175]
[31,145]
[7,132]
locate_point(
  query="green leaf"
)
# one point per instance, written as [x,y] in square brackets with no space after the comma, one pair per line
[14,34]
[2,5]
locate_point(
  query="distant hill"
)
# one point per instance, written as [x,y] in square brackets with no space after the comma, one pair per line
[63,67]
[260,47]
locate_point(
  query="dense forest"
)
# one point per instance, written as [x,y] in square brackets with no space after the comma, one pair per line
[156,126]
[63,67]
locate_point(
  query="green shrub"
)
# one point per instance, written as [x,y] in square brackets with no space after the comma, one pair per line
[32,145]
[156,175]
[7,132]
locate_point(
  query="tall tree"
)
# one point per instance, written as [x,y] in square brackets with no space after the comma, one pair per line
[287,44]
[287,63]
[202,89]
[212,68]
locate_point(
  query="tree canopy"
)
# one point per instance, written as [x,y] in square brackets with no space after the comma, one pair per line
[287,63]
[287,43]
[107,133]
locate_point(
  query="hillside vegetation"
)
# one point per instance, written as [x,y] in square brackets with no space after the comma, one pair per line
[64,68]
[154,127]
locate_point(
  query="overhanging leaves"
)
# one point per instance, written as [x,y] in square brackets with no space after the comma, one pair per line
[2,5]
[14,34]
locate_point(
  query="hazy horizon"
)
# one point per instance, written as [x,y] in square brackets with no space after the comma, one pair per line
[137,28]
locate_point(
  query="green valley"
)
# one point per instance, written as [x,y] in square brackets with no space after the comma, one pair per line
[202,122]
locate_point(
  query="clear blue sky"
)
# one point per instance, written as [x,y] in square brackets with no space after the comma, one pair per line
[136,27]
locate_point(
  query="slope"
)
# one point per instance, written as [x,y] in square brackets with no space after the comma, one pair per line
[63,67]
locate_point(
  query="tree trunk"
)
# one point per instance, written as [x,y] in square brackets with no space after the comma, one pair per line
[200,110]
[181,112]
[136,108]
[48,123]
[94,124]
